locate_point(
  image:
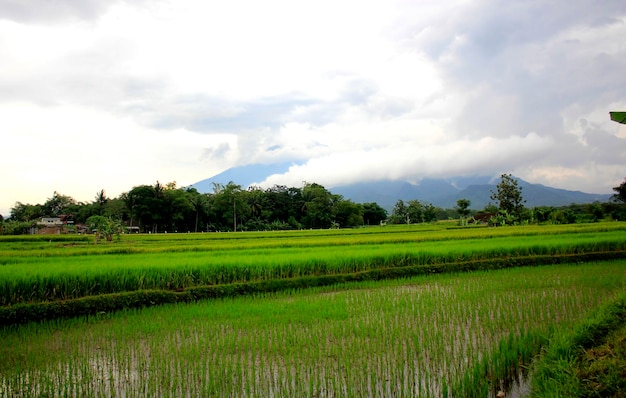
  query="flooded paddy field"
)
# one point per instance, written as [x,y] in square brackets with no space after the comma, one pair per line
[437,335]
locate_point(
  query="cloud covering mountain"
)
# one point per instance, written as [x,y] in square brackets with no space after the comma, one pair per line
[441,192]
[111,94]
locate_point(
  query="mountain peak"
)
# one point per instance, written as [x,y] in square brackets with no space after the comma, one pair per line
[242,175]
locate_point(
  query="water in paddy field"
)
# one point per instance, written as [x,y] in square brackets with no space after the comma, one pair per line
[518,387]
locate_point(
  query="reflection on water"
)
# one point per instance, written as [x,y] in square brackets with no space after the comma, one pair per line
[516,387]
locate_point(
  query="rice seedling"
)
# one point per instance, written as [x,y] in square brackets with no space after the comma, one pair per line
[411,337]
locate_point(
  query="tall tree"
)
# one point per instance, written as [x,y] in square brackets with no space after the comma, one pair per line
[231,210]
[415,211]
[400,213]
[348,214]
[100,201]
[26,212]
[116,209]
[142,202]
[462,207]
[280,203]
[129,202]
[158,206]
[198,202]
[58,204]
[317,206]
[373,214]
[509,196]
[256,199]
[429,212]
[176,209]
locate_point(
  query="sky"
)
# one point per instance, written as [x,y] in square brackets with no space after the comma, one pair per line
[111,94]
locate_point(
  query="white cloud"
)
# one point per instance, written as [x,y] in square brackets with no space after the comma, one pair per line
[78,152]
[181,90]
[413,162]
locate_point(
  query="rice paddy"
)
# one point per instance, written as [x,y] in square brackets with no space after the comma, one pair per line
[31,273]
[437,335]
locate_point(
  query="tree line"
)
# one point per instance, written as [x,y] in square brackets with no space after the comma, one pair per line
[168,208]
[508,208]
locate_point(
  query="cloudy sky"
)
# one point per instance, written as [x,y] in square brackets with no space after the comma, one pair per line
[104,94]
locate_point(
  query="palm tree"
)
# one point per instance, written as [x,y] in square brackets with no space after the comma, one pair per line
[101,200]
[198,202]
[255,200]
[129,201]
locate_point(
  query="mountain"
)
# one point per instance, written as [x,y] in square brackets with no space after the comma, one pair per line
[442,192]
[445,192]
[243,175]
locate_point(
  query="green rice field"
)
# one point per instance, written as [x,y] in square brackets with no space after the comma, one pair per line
[444,332]
[42,269]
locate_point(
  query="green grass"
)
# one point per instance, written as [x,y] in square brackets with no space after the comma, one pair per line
[602,368]
[588,360]
[439,335]
[73,245]
[33,270]
[420,336]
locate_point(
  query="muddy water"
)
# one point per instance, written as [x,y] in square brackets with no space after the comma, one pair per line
[518,387]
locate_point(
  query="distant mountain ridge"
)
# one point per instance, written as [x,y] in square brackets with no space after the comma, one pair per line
[443,192]
[242,175]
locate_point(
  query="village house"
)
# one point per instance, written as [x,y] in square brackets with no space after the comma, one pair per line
[54,225]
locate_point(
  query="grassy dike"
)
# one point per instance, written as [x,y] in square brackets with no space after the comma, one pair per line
[588,361]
